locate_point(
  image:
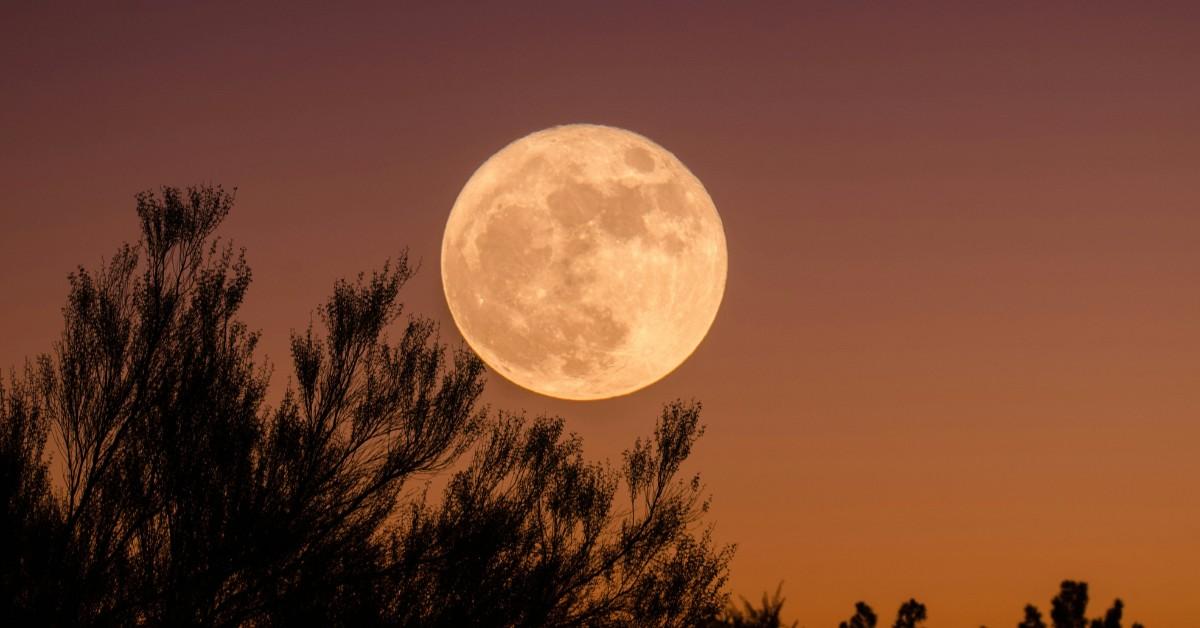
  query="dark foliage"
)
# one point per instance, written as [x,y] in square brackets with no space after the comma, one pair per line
[28,513]
[528,535]
[1069,606]
[186,500]
[1068,609]
[863,617]
[1033,618]
[910,615]
[769,615]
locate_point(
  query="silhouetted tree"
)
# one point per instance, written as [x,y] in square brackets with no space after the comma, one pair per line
[187,501]
[1033,618]
[863,617]
[910,615]
[1112,619]
[528,535]
[27,509]
[1069,610]
[768,615]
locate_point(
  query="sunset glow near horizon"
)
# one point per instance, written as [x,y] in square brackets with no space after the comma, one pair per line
[956,357]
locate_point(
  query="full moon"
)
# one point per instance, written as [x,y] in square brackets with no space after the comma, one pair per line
[584,262]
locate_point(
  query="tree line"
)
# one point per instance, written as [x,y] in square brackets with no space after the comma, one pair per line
[185,499]
[1068,609]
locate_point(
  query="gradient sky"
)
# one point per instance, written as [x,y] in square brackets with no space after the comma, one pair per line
[959,352]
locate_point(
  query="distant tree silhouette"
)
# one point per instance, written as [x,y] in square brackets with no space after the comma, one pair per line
[863,617]
[910,615]
[1070,603]
[187,501]
[1112,618]
[1068,609]
[769,615]
[1033,618]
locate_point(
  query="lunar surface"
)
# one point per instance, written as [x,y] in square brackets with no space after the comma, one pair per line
[584,262]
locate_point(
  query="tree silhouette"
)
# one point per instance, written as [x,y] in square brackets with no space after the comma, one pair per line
[1069,610]
[769,615]
[527,535]
[27,510]
[910,615]
[1112,618]
[1069,607]
[186,500]
[1033,618]
[863,617]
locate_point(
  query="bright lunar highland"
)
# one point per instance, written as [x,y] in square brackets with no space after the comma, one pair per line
[584,262]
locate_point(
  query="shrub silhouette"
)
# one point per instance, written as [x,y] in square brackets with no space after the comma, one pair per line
[1033,618]
[1069,610]
[769,615]
[910,615]
[185,500]
[863,617]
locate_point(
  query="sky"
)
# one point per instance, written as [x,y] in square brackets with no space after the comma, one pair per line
[959,349]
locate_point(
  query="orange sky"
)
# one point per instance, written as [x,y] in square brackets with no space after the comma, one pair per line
[959,350]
